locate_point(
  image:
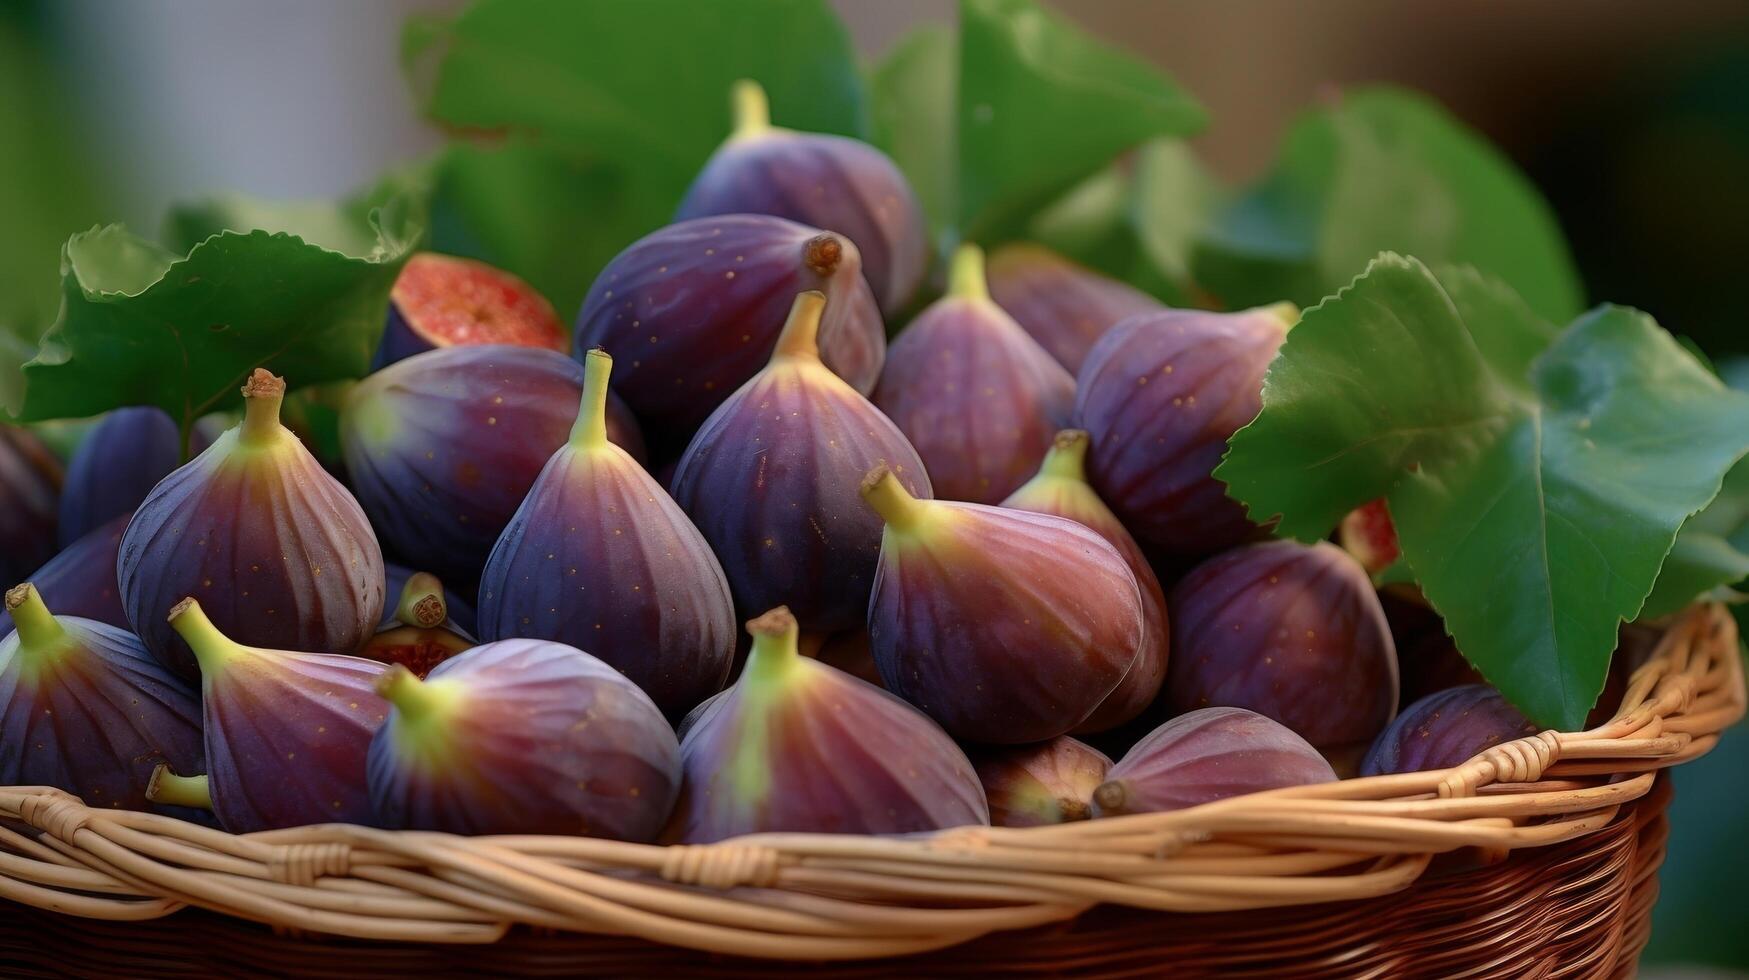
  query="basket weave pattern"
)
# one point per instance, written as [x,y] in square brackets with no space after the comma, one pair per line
[816,897]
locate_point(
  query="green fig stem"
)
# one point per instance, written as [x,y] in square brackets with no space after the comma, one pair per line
[1112,797]
[170,789]
[262,395]
[882,490]
[422,603]
[37,627]
[590,430]
[211,648]
[1067,458]
[417,701]
[752,110]
[776,647]
[965,275]
[801,332]
[1286,312]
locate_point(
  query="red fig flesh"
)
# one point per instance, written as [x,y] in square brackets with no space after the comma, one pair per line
[445,301]
[1049,782]
[1207,755]
[1065,306]
[420,634]
[1368,534]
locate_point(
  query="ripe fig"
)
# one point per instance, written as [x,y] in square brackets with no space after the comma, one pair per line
[976,396]
[85,708]
[1207,755]
[459,610]
[286,733]
[1003,625]
[1066,306]
[832,182]
[1061,489]
[598,555]
[445,301]
[1161,394]
[443,446]
[30,486]
[1045,783]
[119,462]
[795,745]
[1367,533]
[523,737]
[693,310]
[1445,729]
[418,634]
[771,480]
[279,552]
[80,581]
[1289,631]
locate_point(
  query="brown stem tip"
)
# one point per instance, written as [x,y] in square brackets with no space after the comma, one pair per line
[822,253]
[263,383]
[18,595]
[1073,809]
[1111,796]
[874,477]
[777,622]
[181,607]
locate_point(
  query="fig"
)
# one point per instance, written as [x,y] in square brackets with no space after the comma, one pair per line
[1207,755]
[80,581]
[523,737]
[1445,729]
[1004,626]
[771,480]
[459,610]
[693,310]
[1066,306]
[1431,663]
[1061,489]
[598,556]
[277,550]
[795,745]
[1161,394]
[1366,532]
[30,486]
[119,462]
[977,396]
[285,732]
[1050,782]
[1291,631]
[443,446]
[832,182]
[418,634]
[85,708]
[446,301]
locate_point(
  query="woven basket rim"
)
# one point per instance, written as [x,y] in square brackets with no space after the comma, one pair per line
[824,897]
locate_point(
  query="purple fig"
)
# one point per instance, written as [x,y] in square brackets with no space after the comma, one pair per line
[1061,489]
[976,396]
[1066,307]
[118,463]
[418,634]
[771,480]
[1445,729]
[286,733]
[598,555]
[1207,755]
[80,581]
[693,310]
[1291,631]
[1431,663]
[30,487]
[1049,782]
[1161,394]
[523,737]
[459,610]
[795,745]
[85,708]
[832,182]
[443,446]
[278,551]
[1002,625]
[445,301]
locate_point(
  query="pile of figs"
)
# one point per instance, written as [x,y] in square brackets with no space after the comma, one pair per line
[975,566]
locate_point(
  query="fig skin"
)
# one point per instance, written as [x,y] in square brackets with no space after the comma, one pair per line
[30,484]
[832,182]
[1046,783]
[446,301]
[1004,626]
[285,732]
[1445,729]
[1206,755]
[599,556]
[118,463]
[1061,490]
[1291,631]
[693,310]
[80,581]
[771,480]
[1064,305]
[978,398]
[460,610]
[443,446]
[523,737]
[796,745]
[84,707]
[418,633]
[275,548]
[1161,394]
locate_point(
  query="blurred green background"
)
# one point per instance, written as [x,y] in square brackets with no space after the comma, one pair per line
[1633,118]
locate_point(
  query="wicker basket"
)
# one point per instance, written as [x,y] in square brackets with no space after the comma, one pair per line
[1585,807]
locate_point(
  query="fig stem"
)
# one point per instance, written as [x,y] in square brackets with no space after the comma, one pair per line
[422,603]
[1286,312]
[417,701]
[170,789]
[590,430]
[776,647]
[1067,458]
[801,332]
[36,626]
[751,108]
[262,395]
[882,490]
[1073,809]
[1111,797]
[965,276]
[211,647]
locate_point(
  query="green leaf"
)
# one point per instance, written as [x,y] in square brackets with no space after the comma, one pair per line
[1535,495]
[141,325]
[912,92]
[1384,169]
[1711,551]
